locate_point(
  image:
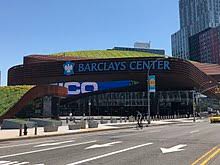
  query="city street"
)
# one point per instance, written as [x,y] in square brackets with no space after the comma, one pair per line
[181,144]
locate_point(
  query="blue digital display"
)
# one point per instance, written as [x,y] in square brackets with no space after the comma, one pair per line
[76,88]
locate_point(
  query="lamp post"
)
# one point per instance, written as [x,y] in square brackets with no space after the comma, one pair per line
[148,91]
[195,96]
[148,95]
[194,108]
[200,92]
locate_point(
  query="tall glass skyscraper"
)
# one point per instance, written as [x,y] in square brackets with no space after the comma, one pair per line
[195,16]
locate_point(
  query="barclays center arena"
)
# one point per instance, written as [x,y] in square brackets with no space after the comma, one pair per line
[113,82]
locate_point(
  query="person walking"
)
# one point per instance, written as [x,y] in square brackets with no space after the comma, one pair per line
[139,120]
[71,116]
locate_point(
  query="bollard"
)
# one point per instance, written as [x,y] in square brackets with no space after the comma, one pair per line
[25,129]
[35,129]
[20,130]
[101,119]
[111,119]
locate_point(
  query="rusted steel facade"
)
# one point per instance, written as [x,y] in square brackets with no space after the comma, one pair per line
[47,70]
[33,93]
[181,75]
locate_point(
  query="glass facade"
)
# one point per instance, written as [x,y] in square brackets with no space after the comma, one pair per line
[128,103]
[162,103]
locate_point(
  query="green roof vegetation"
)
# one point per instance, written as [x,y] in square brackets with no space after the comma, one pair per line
[106,54]
[10,95]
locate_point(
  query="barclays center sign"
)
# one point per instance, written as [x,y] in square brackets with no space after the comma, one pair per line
[70,68]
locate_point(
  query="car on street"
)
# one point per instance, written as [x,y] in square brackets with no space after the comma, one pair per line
[214,118]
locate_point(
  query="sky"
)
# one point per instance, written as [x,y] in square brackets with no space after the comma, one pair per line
[52,26]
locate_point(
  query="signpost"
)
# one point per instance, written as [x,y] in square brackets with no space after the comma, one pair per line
[151,87]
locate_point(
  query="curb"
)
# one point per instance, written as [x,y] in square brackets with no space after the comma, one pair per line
[61,134]
[83,132]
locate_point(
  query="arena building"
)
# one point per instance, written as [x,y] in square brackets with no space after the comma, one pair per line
[111,85]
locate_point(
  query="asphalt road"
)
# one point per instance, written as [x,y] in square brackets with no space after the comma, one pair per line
[182,144]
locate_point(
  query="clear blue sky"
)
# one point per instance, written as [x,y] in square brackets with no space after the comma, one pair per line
[50,26]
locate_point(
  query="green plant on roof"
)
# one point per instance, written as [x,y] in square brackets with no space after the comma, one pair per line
[10,95]
[106,54]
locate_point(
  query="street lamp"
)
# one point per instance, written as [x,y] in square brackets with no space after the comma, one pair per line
[195,96]
[200,92]
[148,92]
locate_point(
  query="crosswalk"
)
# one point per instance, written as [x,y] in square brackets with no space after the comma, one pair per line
[15,163]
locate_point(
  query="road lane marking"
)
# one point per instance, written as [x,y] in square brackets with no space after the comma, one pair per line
[22,163]
[110,154]
[211,157]
[53,144]
[46,149]
[103,145]
[176,148]
[15,163]
[195,131]
[203,156]
[18,145]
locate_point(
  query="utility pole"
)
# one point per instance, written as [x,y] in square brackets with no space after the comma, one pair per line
[148,87]
[194,108]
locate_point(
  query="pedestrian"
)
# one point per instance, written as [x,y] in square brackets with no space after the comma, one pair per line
[71,116]
[139,120]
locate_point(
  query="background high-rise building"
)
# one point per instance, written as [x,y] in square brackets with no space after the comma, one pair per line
[205,46]
[195,16]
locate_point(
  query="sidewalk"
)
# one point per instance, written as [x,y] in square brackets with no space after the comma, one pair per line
[13,134]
